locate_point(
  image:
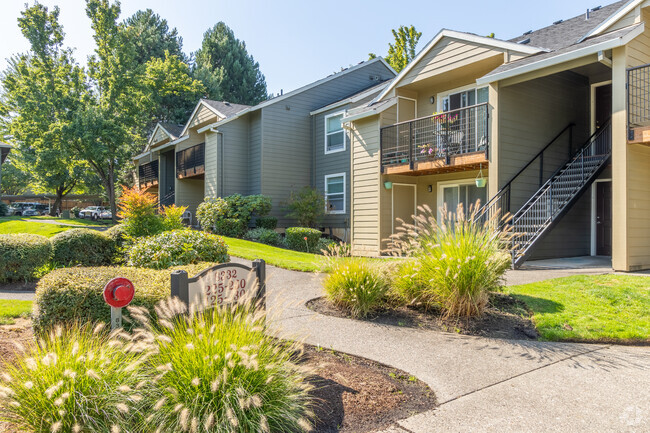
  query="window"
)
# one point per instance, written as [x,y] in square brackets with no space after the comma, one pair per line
[334,133]
[335,193]
[466,98]
[465,192]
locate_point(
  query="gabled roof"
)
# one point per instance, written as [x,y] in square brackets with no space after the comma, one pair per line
[624,8]
[4,151]
[587,47]
[351,99]
[173,130]
[468,37]
[224,110]
[571,31]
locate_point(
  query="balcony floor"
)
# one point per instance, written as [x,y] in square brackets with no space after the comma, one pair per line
[463,162]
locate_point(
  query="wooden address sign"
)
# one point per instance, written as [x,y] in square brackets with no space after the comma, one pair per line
[225,284]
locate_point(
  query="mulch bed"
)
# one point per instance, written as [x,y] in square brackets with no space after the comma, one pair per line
[351,394]
[505,317]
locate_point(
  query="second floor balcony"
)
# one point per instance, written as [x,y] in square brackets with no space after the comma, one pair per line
[638,104]
[190,162]
[148,174]
[441,143]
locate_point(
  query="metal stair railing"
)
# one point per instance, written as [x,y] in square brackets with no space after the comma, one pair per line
[549,203]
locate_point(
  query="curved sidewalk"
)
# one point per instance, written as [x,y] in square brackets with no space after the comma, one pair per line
[484,384]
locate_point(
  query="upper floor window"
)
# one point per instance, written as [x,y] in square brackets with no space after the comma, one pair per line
[334,133]
[465,98]
[335,193]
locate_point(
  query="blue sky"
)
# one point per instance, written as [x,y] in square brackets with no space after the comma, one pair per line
[297,42]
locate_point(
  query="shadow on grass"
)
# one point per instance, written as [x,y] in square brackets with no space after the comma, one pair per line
[539,305]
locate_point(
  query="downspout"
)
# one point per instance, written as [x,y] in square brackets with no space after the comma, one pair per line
[220,160]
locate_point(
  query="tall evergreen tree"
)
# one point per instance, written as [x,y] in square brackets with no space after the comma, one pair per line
[226,69]
[151,37]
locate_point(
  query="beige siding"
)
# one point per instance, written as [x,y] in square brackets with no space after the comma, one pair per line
[160,136]
[448,55]
[203,116]
[365,186]
[638,50]
[627,20]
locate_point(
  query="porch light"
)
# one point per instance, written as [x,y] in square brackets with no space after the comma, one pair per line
[388,184]
[432,99]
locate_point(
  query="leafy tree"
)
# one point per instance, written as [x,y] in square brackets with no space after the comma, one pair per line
[402,51]
[307,206]
[151,37]
[226,69]
[42,90]
[14,180]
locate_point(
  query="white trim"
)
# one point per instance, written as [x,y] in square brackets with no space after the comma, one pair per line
[198,105]
[392,202]
[153,134]
[326,134]
[444,95]
[592,105]
[458,182]
[482,40]
[594,198]
[612,19]
[352,99]
[371,112]
[164,146]
[345,188]
[565,57]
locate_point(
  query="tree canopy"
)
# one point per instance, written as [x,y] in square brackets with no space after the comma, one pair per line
[226,69]
[402,51]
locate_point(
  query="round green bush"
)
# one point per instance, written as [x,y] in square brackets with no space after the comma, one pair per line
[230,227]
[117,234]
[82,247]
[295,238]
[4,209]
[265,236]
[266,222]
[177,247]
[21,255]
[324,245]
[210,211]
[75,295]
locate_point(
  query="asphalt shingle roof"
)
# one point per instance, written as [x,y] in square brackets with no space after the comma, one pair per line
[228,109]
[173,129]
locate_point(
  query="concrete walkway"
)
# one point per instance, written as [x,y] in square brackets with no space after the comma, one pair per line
[484,384]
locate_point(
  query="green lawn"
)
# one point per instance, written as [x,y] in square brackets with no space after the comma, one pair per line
[597,308]
[11,309]
[279,257]
[32,225]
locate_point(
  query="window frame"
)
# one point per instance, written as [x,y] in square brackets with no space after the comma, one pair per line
[344,210]
[444,96]
[456,183]
[327,134]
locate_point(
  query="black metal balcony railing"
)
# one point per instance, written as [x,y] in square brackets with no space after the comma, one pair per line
[638,98]
[442,135]
[191,161]
[148,173]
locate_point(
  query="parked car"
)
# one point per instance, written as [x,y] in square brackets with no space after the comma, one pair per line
[19,208]
[30,211]
[95,213]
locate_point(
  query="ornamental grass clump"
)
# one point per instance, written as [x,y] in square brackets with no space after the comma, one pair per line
[453,263]
[357,285]
[75,380]
[220,371]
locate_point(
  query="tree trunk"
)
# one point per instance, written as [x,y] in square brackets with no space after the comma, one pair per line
[57,202]
[111,193]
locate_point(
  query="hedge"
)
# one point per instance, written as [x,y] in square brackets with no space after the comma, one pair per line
[231,227]
[177,248]
[266,222]
[303,239]
[265,236]
[68,295]
[82,247]
[21,255]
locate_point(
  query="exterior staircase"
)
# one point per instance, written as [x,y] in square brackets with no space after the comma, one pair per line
[554,198]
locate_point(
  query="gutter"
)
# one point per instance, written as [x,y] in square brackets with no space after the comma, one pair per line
[164,146]
[368,113]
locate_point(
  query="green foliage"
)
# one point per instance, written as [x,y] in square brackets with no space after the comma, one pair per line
[75,295]
[265,236]
[4,209]
[151,37]
[118,235]
[226,69]
[84,247]
[266,222]
[303,239]
[138,213]
[73,381]
[307,206]
[172,217]
[357,284]
[402,51]
[323,245]
[259,205]
[231,227]
[75,211]
[15,181]
[178,247]
[223,370]
[455,262]
[243,207]
[21,255]
[210,211]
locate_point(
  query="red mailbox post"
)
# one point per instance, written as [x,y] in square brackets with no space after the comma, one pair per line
[118,293]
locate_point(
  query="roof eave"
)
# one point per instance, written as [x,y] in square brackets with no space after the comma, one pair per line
[625,9]
[369,113]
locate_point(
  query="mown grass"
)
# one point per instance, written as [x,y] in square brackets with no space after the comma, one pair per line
[595,308]
[280,257]
[16,224]
[12,309]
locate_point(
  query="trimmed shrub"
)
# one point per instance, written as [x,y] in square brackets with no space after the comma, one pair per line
[266,222]
[222,370]
[138,212]
[324,245]
[4,209]
[302,238]
[21,255]
[75,211]
[210,211]
[82,247]
[176,248]
[172,217]
[307,206]
[455,262]
[74,380]
[265,236]
[357,285]
[75,295]
[117,234]
[230,227]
